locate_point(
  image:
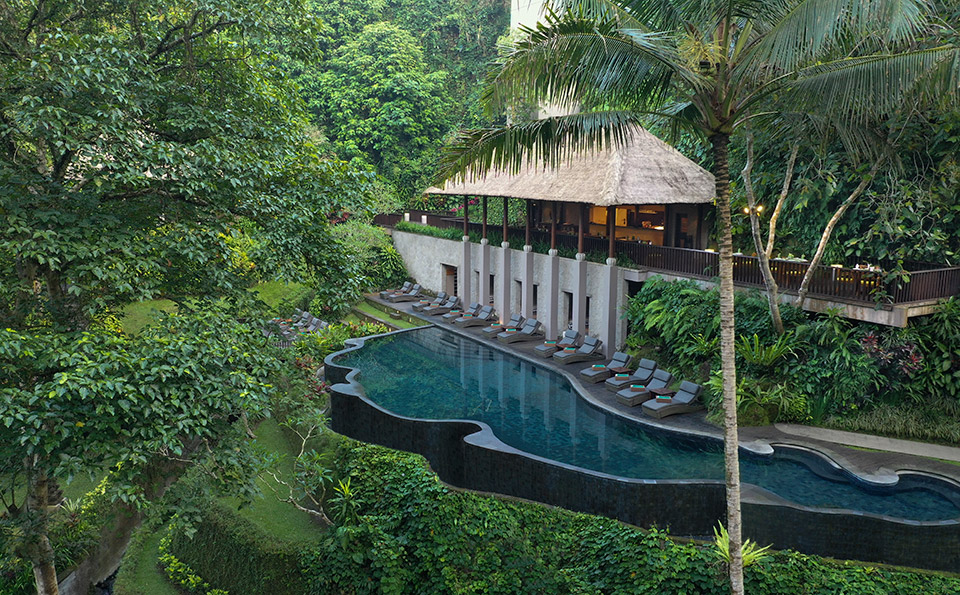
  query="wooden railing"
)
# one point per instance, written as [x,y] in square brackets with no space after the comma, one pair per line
[851,284]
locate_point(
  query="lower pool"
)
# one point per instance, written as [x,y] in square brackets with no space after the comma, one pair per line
[434,374]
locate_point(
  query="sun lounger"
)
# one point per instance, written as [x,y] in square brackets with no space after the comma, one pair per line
[569,338]
[633,396]
[600,372]
[451,303]
[410,296]
[424,303]
[406,287]
[452,315]
[530,331]
[305,321]
[643,375]
[516,321]
[686,400]
[484,316]
[590,350]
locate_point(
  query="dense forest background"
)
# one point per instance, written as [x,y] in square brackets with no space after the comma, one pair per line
[397,77]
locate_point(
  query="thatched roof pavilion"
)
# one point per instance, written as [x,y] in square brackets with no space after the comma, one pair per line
[648,171]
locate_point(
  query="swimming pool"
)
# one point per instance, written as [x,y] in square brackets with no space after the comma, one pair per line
[434,374]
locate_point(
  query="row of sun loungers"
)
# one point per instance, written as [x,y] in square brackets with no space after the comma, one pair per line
[648,386]
[288,331]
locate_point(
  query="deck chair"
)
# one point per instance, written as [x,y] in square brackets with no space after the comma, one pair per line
[486,315]
[451,303]
[592,349]
[569,338]
[530,331]
[600,372]
[643,375]
[685,400]
[516,321]
[425,303]
[411,296]
[452,315]
[406,287]
[632,397]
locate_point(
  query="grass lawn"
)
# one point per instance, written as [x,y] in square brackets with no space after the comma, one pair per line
[371,310]
[277,518]
[273,292]
[149,577]
[139,314]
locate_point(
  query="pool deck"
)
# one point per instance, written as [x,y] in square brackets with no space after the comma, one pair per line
[874,459]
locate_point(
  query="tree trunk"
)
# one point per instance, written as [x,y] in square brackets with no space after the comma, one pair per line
[731,461]
[769,282]
[828,231]
[40,552]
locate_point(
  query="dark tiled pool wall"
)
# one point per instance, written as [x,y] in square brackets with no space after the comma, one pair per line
[464,456]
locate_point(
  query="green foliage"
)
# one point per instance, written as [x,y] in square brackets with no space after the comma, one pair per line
[74,529]
[181,574]
[938,340]
[447,233]
[382,265]
[820,367]
[383,107]
[236,555]
[414,535]
[750,552]
[319,344]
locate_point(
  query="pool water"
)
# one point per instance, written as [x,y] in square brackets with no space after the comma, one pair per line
[430,373]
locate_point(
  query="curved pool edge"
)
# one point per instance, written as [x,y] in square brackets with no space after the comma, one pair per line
[467,454]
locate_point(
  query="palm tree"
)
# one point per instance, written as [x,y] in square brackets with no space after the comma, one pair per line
[708,66]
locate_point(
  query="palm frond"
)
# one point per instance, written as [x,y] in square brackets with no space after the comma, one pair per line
[548,141]
[858,89]
[794,33]
[566,60]
[602,10]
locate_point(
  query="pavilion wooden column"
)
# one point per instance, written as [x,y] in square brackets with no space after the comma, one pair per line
[483,283]
[611,285]
[466,268]
[580,276]
[551,297]
[506,277]
[526,274]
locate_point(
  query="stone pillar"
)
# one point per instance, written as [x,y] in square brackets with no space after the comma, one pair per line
[551,297]
[526,300]
[580,294]
[608,334]
[466,271]
[506,279]
[483,291]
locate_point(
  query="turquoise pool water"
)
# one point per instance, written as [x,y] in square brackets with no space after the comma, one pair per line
[434,374]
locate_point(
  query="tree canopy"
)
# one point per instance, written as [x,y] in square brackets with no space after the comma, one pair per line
[146,149]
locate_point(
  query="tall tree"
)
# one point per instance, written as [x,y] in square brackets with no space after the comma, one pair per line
[381,106]
[135,140]
[705,65]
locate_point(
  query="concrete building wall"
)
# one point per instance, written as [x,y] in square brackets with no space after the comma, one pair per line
[424,256]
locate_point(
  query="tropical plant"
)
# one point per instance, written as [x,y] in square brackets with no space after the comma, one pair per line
[750,553]
[710,67]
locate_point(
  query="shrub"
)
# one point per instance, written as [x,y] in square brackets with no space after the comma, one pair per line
[232,553]
[319,344]
[414,535]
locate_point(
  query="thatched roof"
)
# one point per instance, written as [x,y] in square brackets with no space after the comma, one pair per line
[648,171]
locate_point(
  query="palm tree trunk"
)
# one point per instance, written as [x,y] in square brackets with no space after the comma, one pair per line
[769,282]
[721,143]
[828,231]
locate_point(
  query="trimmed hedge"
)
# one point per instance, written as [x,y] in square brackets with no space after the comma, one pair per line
[235,555]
